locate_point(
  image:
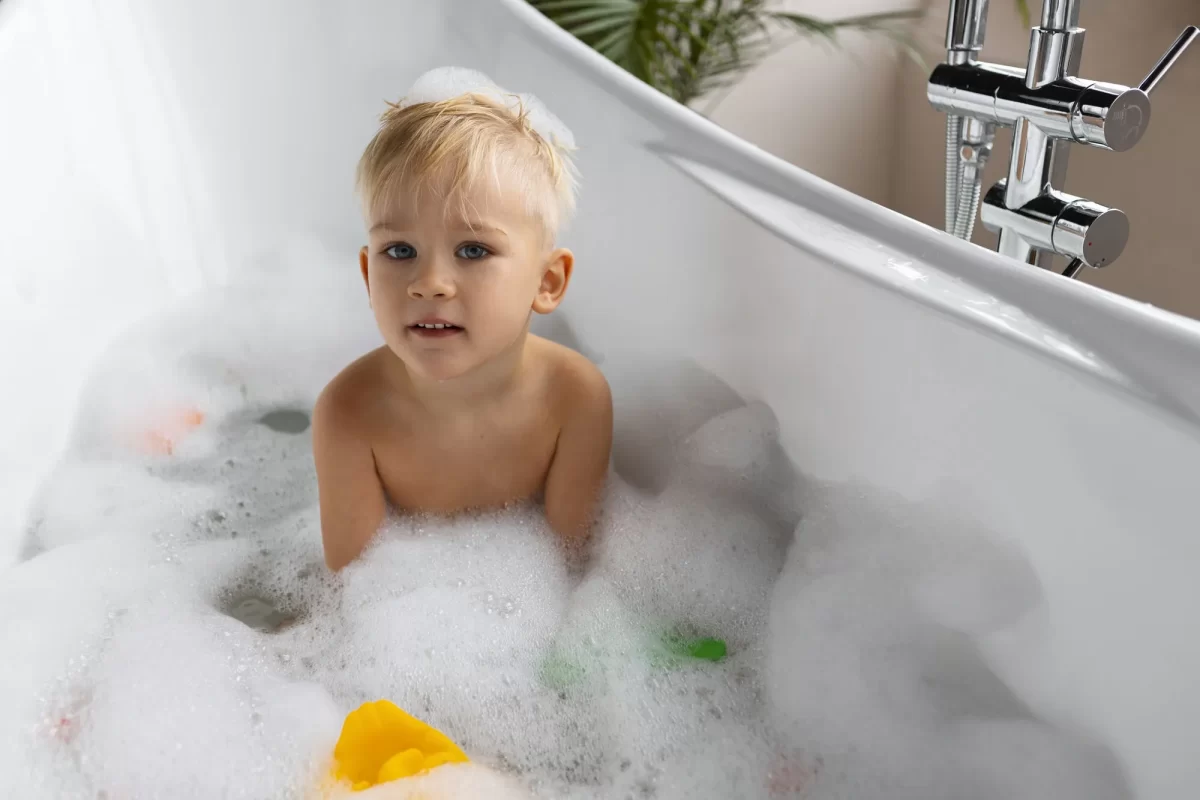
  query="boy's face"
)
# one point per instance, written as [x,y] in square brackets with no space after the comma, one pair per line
[481,273]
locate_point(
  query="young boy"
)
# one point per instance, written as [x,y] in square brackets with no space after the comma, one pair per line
[462,408]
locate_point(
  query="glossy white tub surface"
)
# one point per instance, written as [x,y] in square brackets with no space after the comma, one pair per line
[196,138]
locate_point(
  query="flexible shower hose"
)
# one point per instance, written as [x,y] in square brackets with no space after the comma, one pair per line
[953,169]
[968,201]
[963,179]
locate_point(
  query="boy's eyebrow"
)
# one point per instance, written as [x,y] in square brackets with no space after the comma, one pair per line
[474,227]
[478,227]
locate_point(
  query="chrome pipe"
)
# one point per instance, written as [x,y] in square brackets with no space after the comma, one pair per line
[1039,160]
[1048,108]
[1089,112]
[966,26]
[1060,15]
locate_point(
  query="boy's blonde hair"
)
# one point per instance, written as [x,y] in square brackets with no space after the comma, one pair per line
[453,144]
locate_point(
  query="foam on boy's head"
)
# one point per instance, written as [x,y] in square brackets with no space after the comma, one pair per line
[455,131]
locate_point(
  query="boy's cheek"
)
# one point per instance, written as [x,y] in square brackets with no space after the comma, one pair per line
[389,320]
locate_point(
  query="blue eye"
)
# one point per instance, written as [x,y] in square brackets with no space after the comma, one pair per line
[401,251]
[472,252]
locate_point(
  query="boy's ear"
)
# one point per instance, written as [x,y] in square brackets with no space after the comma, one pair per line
[556,274]
[362,266]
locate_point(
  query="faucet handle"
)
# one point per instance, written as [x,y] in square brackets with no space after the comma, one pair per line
[1089,232]
[1057,222]
[1115,117]
[1110,116]
[1159,70]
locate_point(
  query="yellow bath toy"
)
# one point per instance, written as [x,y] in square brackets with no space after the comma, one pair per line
[381,743]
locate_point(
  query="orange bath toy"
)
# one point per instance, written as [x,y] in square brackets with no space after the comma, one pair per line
[170,429]
[381,743]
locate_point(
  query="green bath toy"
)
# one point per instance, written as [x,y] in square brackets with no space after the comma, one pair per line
[703,649]
[668,650]
[560,672]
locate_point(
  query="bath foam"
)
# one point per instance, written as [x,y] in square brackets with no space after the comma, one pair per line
[181,692]
[444,83]
[451,618]
[677,558]
[897,700]
[451,782]
[221,352]
[84,499]
[448,618]
[704,551]
[161,400]
[52,631]
[255,478]
[180,636]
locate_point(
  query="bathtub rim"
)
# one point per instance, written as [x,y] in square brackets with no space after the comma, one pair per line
[1151,346]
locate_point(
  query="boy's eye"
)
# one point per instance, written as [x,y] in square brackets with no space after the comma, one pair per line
[401,251]
[472,252]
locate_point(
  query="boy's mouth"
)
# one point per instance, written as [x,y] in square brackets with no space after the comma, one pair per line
[435,330]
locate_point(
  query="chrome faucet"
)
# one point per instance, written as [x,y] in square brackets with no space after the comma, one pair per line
[1048,107]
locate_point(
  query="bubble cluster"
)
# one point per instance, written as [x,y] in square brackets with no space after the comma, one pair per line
[732,633]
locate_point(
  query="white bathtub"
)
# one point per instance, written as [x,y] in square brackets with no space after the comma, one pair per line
[196,137]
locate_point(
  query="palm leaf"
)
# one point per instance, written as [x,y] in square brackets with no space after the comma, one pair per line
[735,37]
[577,17]
[1023,10]
[551,7]
[895,25]
[594,26]
[614,46]
[689,48]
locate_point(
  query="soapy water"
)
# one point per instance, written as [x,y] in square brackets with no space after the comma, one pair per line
[173,632]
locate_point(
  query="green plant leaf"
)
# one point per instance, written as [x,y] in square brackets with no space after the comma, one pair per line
[552,7]
[1023,10]
[806,25]
[574,19]
[599,26]
[888,22]
[689,48]
[894,25]
[615,45]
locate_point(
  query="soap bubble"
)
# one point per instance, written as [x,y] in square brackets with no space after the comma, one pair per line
[444,83]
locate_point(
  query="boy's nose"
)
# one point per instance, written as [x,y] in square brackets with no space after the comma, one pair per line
[431,281]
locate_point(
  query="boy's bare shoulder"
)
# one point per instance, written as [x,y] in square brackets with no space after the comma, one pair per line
[353,394]
[573,379]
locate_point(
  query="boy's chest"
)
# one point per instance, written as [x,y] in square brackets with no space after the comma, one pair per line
[469,466]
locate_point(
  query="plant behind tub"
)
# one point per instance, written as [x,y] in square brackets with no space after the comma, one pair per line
[688,49]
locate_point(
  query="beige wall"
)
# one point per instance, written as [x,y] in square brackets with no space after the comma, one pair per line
[858,117]
[827,109]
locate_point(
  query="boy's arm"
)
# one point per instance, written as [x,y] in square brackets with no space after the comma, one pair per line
[352,499]
[580,466]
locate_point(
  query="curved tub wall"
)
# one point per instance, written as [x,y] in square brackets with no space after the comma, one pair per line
[1054,414]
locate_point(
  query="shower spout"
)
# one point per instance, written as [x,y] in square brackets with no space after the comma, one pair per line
[1048,107]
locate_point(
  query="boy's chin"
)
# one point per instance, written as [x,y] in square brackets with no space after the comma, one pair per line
[438,369]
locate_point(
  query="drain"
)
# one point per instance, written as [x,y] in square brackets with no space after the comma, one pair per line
[286,420]
[257,613]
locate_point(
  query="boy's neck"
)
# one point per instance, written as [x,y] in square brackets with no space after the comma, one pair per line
[478,388]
